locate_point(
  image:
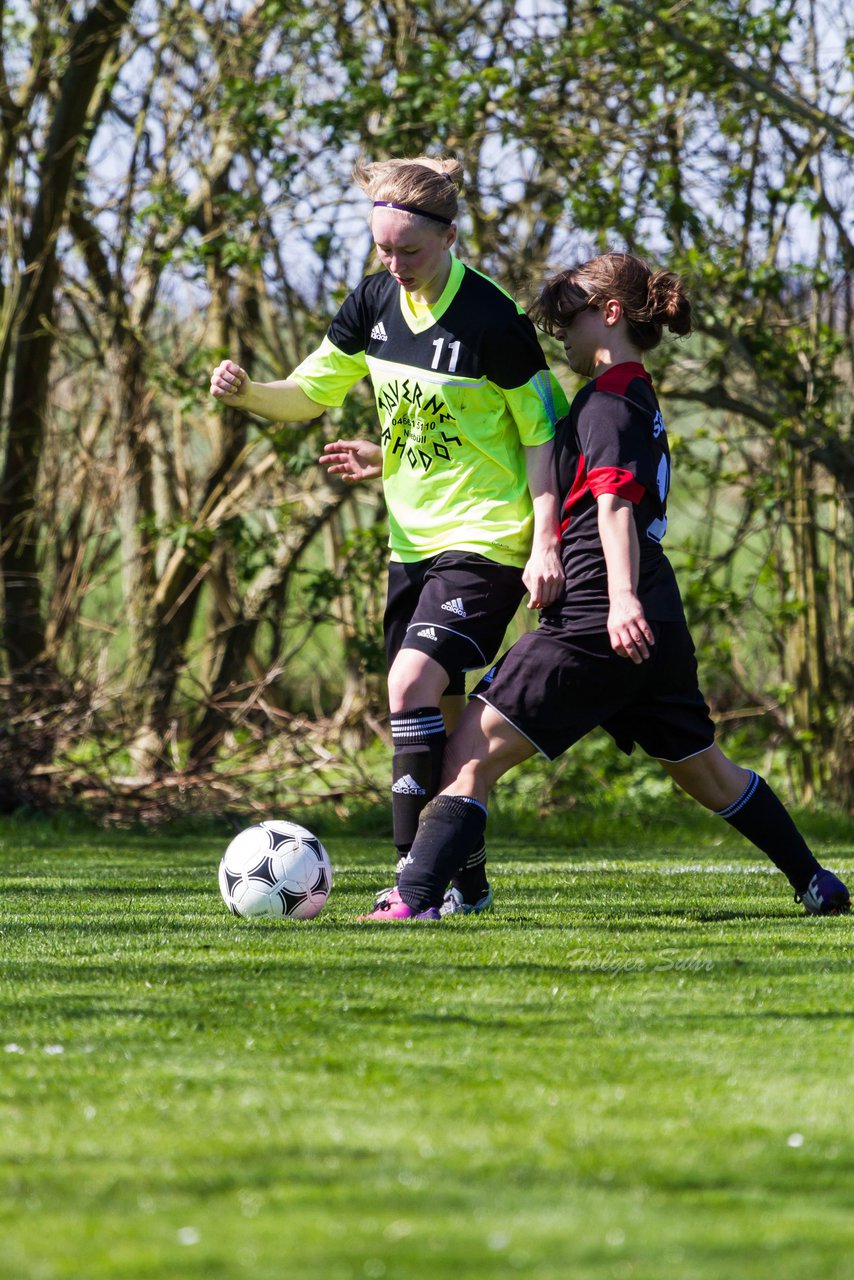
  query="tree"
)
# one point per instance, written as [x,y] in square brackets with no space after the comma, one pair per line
[206,208]
[85,50]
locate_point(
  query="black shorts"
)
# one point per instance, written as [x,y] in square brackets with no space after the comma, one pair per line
[455,607]
[554,687]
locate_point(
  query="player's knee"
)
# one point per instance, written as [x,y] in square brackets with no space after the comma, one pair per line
[711,778]
[403,679]
[415,681]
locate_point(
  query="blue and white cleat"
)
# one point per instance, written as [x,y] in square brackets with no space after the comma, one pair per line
[825,895]
[454,904]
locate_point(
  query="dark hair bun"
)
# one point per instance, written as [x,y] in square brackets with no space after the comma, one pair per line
[668,302]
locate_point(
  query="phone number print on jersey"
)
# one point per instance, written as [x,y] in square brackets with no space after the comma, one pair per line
[412,434]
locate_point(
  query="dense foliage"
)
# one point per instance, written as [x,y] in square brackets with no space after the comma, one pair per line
[178,581]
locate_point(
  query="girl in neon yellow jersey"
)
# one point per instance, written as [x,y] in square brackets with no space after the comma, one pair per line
[466,408]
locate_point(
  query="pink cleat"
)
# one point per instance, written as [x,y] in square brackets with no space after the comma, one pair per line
[393,908]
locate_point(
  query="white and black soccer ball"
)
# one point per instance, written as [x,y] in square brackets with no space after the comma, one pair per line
[277,869]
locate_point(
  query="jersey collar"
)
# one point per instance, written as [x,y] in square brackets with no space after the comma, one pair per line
[618,376]
[428,317]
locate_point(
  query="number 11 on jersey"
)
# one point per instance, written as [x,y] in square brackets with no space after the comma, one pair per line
[453,347]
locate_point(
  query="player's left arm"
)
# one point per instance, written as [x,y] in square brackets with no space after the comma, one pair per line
[543,574]
[628,630]
[535,400]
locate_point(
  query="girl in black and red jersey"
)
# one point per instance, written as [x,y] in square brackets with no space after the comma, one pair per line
[614,651]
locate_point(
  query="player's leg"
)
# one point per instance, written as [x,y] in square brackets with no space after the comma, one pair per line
[709,777]
[452,825]
[419,736]
[672,723]
[544,694]
[744,800]
[452,706]
[470,892]
[464,606]
[416,692]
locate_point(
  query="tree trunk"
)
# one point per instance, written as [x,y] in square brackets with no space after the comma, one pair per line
[93,40]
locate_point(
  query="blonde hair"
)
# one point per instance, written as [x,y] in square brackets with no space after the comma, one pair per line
[650,299]
[421,183]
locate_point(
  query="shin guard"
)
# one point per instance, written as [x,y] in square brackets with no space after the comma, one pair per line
[450,831]
[419,744]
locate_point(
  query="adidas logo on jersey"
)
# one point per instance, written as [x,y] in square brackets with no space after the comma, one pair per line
[407,786]
[428,633]
[378,332]
[455,606]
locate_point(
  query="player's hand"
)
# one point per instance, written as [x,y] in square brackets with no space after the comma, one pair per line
[229,382]
[543,576]
[628,630]
[353,460]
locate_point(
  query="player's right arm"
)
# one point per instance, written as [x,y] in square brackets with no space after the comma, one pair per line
[320,382]
[283,401]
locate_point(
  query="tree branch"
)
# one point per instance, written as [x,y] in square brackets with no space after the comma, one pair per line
[796,107]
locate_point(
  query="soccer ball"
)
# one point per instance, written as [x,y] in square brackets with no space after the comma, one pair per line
[275,869]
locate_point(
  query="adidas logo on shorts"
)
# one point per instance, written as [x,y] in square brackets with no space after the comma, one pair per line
[378,333]
[455,606]
[428,633]
[407,786]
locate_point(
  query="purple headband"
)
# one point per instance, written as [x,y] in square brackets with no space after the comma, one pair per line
[411,208]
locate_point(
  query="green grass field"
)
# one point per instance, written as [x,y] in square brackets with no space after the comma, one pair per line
[638,1068]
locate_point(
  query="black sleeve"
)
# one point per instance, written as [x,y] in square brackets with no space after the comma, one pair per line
[614,434]
[347,329]
[512,353]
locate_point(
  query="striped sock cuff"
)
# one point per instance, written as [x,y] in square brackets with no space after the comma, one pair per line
[458,806]
[745,798]
[410,728]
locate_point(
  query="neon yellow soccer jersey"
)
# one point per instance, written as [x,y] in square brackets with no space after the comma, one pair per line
[460,390]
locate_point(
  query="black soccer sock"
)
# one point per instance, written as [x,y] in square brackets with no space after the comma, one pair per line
[419,744]
[471,879]
[450,831]
[760,816]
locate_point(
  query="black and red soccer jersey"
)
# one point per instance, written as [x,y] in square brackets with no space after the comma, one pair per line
[613,441]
